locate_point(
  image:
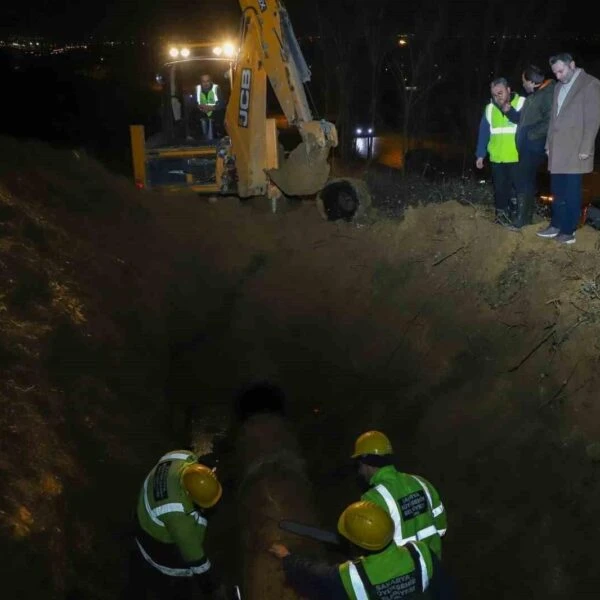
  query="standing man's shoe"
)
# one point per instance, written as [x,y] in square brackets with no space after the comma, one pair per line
[565,238]
[548,232]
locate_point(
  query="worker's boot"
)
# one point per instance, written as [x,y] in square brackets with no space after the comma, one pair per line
[525,208]
[512,209]
[502,217]
[529,209]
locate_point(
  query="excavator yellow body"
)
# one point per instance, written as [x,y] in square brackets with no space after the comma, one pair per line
[248,160]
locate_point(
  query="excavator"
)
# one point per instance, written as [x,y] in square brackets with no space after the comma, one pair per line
[247,158]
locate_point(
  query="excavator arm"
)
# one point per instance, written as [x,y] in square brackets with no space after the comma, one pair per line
[269,49]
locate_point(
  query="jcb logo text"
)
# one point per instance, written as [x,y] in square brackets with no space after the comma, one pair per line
[245,97]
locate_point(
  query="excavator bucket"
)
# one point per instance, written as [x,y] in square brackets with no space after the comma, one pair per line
[304,172]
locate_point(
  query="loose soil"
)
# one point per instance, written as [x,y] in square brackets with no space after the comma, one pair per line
[129,320]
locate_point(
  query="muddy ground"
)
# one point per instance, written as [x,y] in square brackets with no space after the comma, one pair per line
[127,317]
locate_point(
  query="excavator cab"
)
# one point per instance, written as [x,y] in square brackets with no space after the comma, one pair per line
[180,83]
[182,153]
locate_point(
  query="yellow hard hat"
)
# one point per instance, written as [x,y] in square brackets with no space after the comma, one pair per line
[372,442]
[202,485]
[366,525]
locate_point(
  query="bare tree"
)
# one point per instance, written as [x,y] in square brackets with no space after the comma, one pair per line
[355,36]
[416,68]
[379,38]
[336,28]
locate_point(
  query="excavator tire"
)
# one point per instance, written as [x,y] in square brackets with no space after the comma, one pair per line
[343,199]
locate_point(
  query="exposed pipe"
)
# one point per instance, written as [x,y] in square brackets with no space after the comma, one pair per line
[273,485]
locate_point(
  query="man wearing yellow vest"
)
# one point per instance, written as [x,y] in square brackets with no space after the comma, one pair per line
[210,104]
[382,571]
[411,501]
[497,138]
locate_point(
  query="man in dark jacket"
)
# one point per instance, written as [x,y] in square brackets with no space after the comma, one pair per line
[532,120]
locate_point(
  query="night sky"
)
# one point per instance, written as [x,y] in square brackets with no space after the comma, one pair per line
[76,19]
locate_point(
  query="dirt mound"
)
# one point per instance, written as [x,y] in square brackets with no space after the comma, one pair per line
[473,347]
[82,354]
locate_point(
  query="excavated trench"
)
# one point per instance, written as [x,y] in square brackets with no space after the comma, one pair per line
[498,476]
[264,474]
[520,495]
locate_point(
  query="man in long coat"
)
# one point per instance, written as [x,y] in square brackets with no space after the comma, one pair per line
[574,123]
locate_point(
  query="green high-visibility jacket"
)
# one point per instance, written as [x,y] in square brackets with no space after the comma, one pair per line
[210,98]
[392,572]
[172,528]
[502,146]
[414,505]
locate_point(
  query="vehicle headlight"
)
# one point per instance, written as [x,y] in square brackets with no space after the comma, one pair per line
[173,52]
[358,131]
[228,49]
[185,52]
[217,50]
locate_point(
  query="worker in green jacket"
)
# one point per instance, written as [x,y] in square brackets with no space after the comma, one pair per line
[168,555]
[382,571]
[411,501]
[211,107]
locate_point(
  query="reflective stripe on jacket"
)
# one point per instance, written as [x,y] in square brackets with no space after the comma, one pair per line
[414,505]
[210,98]
[392,572]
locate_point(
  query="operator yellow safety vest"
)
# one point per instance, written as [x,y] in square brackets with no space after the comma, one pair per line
[395,572]
[171,528]
[210,98]
[502,146]
[414,505]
